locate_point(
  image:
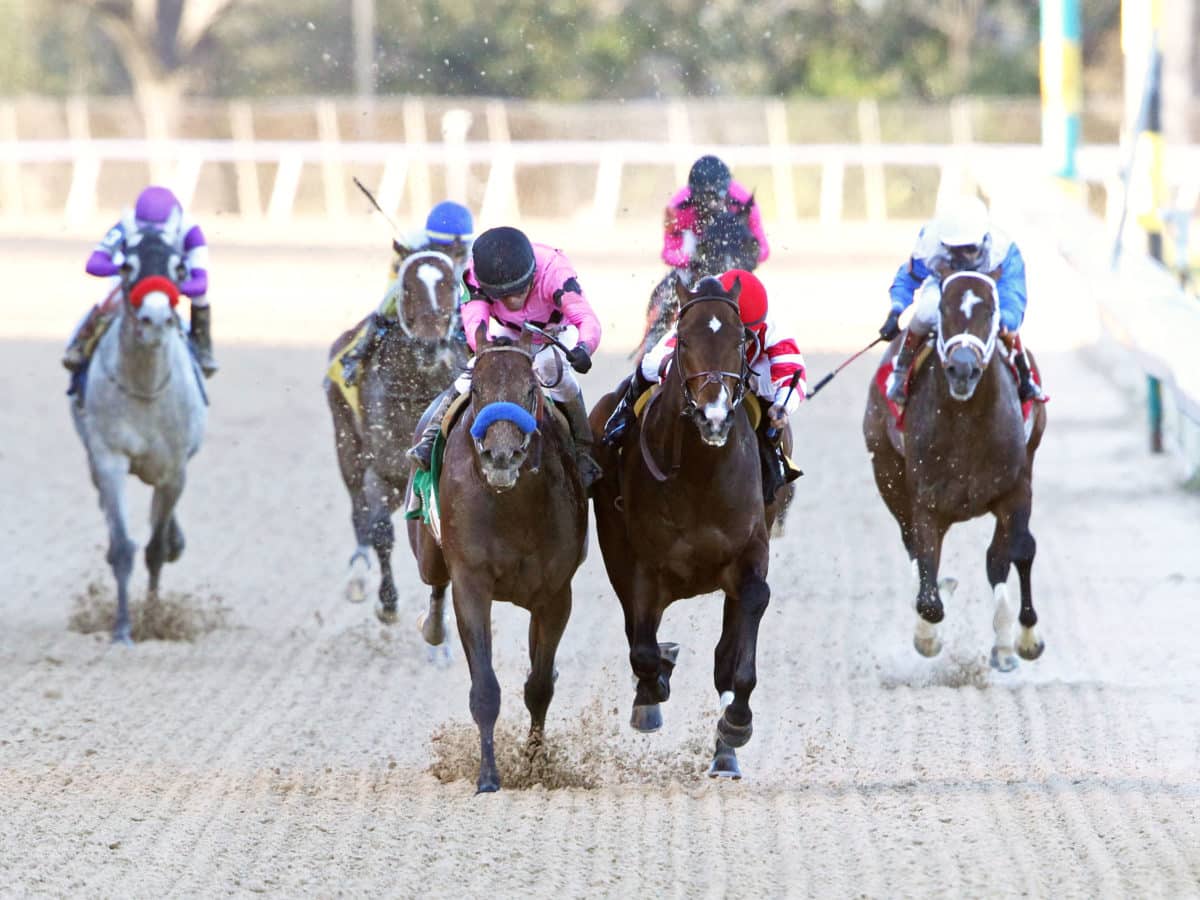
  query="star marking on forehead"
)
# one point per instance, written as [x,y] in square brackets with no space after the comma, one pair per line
[714,324]
[969,300]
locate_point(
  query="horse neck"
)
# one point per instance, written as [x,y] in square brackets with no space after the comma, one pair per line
[139,367]
[412,366]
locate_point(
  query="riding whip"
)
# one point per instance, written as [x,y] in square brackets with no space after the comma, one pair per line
[375,203]
[828,378]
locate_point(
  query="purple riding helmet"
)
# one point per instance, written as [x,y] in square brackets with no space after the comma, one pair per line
[155,205]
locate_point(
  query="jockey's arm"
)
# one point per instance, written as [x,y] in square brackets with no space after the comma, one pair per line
[674,252]
[195,261]
[910,276]
[754,220]
[578,311]
[476,310]
[1011,288]
[102,263]
[655,360]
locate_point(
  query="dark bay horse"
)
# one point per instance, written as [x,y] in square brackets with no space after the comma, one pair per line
[680,512]
[416,356]
[513,526]
[726,243]
[964,453]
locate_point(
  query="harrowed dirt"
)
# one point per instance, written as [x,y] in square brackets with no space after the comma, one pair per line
[277,739]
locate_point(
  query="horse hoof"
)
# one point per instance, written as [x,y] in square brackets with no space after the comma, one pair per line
[733,735]
[928,646]
[432,628]
[646,718]
[385,615]
[1003,660]
[724,763]
[356,589]
[1031,650]
[487,784]
[122,637]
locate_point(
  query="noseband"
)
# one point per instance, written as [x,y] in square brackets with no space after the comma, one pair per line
[710,376]
[984,348]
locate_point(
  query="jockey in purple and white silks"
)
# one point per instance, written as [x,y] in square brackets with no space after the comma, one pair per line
[512,282]
[156,209]
[960,238]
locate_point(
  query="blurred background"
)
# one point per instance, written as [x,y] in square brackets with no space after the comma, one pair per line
[1075,119]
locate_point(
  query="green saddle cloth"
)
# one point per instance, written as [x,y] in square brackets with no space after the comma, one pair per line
[425,486]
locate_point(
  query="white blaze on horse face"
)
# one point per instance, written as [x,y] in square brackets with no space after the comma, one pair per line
[430,276]
[155,308]
[717,411]
[969,301]
[714,324]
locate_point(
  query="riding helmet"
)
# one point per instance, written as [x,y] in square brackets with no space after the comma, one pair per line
[963,223]
[155,205]
[503,261]
[752,301]
[448,222]
[709,177]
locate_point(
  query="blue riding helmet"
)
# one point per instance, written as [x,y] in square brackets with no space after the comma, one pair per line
[449,222]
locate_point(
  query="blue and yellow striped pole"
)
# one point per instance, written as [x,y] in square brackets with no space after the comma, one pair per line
[1061,69]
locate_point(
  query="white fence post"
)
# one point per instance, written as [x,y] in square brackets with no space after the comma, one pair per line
[241,127]
[85,174]
[332,172]
[413,113]
[500,202]
[869,134]
[833,181]
[14,204]
[283,192]
[679,132]
[781,169]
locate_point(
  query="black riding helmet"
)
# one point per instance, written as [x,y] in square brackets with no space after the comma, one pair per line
[503,261]
[709,177]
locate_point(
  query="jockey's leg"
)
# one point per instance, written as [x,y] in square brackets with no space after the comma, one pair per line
[547,364]
[581,431]
[622,417]
[1027,388]
[421,453]
[354,359]
[75,356]
[202,335]
[923,320]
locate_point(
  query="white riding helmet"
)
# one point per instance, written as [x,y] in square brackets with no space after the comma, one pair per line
[963,223]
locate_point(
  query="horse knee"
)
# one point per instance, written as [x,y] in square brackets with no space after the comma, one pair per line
[382,533]
[1024,547]
[120,556]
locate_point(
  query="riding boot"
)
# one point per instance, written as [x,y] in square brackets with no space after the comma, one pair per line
[421,453]
[1027,388]
[75,356]
[897,388]
[581,431]
[622,417]
[202,339]
[354,359]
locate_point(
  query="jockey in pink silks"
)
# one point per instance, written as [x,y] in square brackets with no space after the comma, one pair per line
[512,281]
[710,189]
[157,209]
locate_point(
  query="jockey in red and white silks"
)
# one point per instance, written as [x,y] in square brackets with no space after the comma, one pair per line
[774,359]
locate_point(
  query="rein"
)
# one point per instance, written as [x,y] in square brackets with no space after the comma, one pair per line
[985,348]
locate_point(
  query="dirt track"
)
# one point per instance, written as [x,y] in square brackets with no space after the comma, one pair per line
[290,752]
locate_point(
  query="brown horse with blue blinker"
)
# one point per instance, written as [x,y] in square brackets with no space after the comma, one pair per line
[965,451]
[680,512]
[513,526]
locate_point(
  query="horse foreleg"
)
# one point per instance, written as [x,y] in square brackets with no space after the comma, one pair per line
[109,475]
[473,610]
[546,625]
[1024,548]
[724,657]
[927,538]
[166,537]
[652,663]
[1004,659]
[383,538]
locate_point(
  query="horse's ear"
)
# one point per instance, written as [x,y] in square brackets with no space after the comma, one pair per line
[735,289]
[942,269]
[748,208]
[481,335]
[525,341]
[996,273]
[401,250]
[682,292]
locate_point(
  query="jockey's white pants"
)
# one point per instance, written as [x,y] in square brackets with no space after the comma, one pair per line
[926,302]
[549,365]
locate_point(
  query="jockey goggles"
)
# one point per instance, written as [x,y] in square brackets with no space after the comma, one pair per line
[966,257]
[500,291]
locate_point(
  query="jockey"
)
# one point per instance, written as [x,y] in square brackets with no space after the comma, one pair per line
[156,209]
[958,239]
[448,229]
[709,190]
[774,359]
[511,282]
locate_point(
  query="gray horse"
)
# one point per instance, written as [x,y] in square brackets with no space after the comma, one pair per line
[142,412]
[417,351]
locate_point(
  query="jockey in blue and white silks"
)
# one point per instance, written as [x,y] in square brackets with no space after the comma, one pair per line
[158,210]
[960,238]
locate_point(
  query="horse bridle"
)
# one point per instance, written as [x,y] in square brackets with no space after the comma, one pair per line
[710,376]
[421,255]
[985,348]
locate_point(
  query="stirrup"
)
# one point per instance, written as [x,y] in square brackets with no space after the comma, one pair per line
[1029,390]
[895,388]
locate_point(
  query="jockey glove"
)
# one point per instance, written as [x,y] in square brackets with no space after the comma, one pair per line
[579,359]
[891,327]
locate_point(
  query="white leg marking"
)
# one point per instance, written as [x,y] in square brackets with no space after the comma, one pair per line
[726,699]
[1004,658]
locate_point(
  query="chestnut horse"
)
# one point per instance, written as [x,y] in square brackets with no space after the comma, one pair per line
[680,512]
[416,355]
[513,528]
[964,452]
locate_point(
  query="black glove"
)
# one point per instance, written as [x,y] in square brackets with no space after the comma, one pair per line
[891,327]
[579,359]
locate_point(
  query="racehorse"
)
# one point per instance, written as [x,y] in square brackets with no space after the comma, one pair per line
[513,528]
[726,243]
[964,452]
[416,356]
[680,511]
[143,412]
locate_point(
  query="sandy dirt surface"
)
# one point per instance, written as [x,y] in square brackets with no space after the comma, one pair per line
[303,748]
